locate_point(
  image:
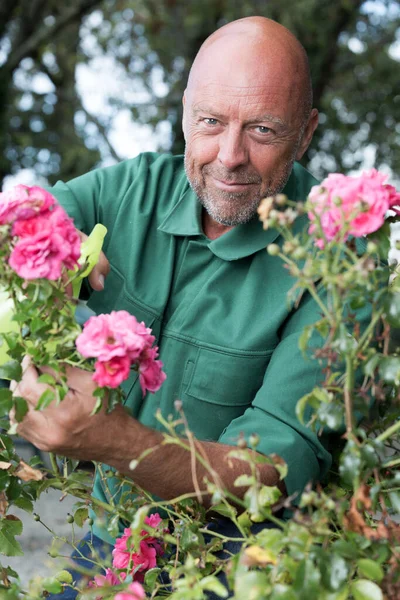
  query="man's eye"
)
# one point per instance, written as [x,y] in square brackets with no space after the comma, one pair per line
[263,129]
[210,121]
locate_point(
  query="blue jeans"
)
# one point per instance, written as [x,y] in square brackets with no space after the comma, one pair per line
[221,525]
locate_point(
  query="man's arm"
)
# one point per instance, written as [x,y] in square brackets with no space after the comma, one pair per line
[116,439]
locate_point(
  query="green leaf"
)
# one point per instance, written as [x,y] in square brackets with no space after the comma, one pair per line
[371,569]
[268,495]
[52,585]
[252,585]
[46,378]
[20,407]
[305,338]
[45,399]
[212,584]
[391,305]
[331,414]
[334,572]
[382,239]
[244,480]
[395,500]
[9,528]
[307,580]
[283,592]
[151,577]
[370,366]
[366,590]
[97,406]
[350,463]
[24,504]
[224,510]
[11,370]
[5,401]
[80,516]
[341,595]
[369,456]
[389,369]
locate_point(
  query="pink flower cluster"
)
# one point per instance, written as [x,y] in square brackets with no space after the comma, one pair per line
[360,203]
[47,240]
[127,562]
[117,340]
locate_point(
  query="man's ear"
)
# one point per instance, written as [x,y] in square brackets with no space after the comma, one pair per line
[308,133]
[183,114]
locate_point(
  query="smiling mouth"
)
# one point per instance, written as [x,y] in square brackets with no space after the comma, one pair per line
[233,186]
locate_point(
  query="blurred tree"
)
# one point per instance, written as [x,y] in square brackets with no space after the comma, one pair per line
[39,42]
[148,46]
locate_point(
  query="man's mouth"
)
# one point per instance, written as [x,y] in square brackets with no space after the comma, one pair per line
[232,186]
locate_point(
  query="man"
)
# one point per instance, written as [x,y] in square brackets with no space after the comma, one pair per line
[187,256]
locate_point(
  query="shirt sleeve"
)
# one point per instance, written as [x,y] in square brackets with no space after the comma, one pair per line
[95,197]
[272,415]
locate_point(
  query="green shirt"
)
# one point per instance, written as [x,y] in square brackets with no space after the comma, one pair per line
[227,336]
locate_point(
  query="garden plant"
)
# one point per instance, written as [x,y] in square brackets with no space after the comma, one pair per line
[340,539]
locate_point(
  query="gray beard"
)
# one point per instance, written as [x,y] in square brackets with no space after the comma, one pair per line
[244,212]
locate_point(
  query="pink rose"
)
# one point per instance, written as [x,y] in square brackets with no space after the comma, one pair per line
[151,377]
[114,334]
[110,578]
[23,202]
[48,242]
[140,561]
[360,202]
[134,592]
[42,256]
[153,520]
[113,372]
[149,548]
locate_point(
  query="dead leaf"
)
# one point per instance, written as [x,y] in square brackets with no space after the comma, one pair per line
[254,556]
[4,578]
[3,504]
[27,473]
[355,521]
[4,465]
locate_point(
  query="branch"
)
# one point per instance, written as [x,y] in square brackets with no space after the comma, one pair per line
[100,127]
[344,14]
[47,32]
[103,132]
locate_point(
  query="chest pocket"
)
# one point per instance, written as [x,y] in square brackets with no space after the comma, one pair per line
[115,297]
[219,387]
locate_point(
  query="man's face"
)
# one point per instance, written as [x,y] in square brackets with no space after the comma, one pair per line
[241,142]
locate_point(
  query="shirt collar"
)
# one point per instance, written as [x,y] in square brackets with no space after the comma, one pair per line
[184,219]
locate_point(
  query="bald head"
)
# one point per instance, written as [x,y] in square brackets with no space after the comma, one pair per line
[247,117]
[261,46]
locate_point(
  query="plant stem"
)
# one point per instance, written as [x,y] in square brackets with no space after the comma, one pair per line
[364,338]
[391,463]
[314,294]
[348,401]
[54,465]
[388,432]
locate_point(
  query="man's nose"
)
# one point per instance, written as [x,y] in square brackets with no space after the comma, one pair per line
[232,149]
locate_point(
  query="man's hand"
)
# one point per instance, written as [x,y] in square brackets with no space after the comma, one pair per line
[116,438]
[68,428]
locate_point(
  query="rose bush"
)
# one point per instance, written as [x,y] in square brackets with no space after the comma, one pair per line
[342,541]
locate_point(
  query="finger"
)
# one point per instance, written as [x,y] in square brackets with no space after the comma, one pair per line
[99,273]
[80,380]
[28,387]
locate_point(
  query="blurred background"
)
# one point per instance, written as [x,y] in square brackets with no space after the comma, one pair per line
[87,83]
